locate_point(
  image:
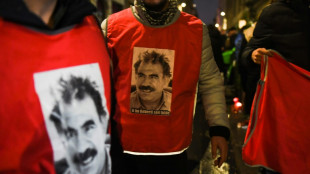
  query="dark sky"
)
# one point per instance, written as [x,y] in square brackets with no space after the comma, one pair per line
[206,10]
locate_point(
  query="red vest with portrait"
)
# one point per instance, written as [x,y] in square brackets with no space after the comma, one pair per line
[162,132]
[29,60]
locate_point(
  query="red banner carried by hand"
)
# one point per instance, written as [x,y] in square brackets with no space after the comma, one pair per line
[278,135]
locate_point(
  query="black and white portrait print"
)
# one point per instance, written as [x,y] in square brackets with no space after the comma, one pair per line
[76,117]
[151,81]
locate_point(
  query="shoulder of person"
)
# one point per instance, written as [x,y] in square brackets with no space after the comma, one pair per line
[189,16]
[276,8]
[275,13]
[121,15]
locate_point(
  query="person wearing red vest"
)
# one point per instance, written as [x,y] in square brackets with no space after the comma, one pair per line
[161,59]
[55,89]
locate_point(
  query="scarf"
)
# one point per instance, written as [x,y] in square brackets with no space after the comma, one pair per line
[155,17]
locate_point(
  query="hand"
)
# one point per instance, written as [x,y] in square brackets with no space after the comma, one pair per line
[258,54]
[218,142]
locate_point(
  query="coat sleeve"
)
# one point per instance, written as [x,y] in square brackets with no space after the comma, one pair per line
[212,90]
[261,38]
[104,26]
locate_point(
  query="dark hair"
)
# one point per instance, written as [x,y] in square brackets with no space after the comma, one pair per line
[154,58]
[77,88]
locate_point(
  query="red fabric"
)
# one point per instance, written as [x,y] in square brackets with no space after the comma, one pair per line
[24,143]
[153,133]
[278,133]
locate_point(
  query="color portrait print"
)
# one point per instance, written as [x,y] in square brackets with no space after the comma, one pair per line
[151,81]
[76,117]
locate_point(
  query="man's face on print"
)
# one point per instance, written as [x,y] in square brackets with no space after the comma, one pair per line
[85,136]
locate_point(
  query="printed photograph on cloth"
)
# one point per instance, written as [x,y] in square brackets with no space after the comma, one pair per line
[151,81]
[76,117]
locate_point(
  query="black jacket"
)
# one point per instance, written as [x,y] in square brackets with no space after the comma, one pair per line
[283,27]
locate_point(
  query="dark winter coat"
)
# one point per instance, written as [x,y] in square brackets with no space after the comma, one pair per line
[283,27]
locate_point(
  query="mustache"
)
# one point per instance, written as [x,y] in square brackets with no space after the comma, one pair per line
[80,157]
[146,88]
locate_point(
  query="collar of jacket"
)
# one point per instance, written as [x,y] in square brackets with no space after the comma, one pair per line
[66,13]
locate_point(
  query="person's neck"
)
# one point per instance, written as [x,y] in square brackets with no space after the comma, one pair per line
[159,8]
[165,7]
[42,8]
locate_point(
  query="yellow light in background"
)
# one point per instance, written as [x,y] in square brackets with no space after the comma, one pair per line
[242,23]
[223,13]
[217,25]
[183,4]
[180,8]
[224,24]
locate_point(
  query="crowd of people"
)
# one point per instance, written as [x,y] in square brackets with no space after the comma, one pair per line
[119,98]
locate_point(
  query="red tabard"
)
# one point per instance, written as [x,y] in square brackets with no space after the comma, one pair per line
[152,132]
[25,146]
[278,134]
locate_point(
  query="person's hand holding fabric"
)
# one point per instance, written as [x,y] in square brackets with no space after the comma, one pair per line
[258,54]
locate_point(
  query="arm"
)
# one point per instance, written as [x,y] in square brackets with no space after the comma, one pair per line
[104,26]
[261,40]
[211,89]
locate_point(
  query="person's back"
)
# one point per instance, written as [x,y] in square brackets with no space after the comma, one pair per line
[284,27]
[44,44]
[155,140]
